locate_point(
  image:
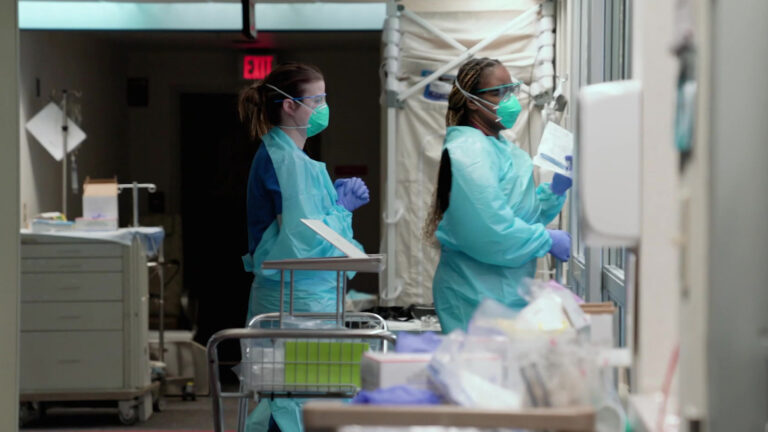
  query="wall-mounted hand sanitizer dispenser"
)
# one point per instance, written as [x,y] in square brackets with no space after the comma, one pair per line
[608,166]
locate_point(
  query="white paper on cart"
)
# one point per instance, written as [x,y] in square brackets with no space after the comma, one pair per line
[556,143]
[334,238]
[46,128]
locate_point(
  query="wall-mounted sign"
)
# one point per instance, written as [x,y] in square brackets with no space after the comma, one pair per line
[257,66]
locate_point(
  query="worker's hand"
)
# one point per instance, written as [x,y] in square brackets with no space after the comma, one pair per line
[352,193]
[561,244]
[562,182]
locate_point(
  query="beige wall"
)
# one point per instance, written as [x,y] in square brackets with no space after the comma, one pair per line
[153,132]
[658,270]
[9,218]
[76,62]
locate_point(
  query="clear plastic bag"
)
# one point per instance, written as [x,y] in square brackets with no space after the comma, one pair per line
[469,371]
[262,365]
[510,360]
[558,373]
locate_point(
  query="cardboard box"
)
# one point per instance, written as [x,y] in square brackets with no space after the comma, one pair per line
[83,224]
[382,370]
[602,318]
[100,199]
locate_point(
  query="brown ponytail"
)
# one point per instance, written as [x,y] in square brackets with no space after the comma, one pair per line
[257,105]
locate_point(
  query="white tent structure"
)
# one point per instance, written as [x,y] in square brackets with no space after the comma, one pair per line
[424,44]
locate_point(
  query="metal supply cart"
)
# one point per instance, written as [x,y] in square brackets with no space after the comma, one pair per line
[297,362]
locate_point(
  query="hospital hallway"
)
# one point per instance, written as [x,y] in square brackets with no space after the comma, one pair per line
[161,108]
[383,215]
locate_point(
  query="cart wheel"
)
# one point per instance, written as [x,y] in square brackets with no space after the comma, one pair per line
[129,416]
[158,404]
[158,397]
[29,412]
[188,391]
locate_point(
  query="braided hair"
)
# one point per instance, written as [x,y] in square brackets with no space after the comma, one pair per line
[468,78]
[458,115]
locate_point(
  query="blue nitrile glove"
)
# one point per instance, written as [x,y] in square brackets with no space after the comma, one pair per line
[561,244]
[359,188]
[562,182]
[352,193]
[340,185]
[397,395]
[417,343]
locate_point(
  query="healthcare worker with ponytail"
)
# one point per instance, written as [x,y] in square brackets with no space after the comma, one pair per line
[488,216]
[284,186]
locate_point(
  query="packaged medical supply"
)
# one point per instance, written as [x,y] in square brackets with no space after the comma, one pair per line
[556,143]
[86,224]
[100,202]
[397,395]
[388,369]
[47,226]
[539,359]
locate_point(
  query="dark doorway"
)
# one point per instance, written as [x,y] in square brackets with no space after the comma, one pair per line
[216,155]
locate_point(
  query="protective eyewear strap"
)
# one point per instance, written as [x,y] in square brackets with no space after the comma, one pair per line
[286,95]
[293,99]
[470,95]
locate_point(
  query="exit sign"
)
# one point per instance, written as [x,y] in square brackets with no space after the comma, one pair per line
[257,67]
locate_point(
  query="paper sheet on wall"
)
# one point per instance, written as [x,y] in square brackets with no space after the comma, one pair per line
[556,144]
[334,238]
[46,128]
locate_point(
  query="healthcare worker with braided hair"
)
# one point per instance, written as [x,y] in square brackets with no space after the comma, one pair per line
[488,215]
[284,186]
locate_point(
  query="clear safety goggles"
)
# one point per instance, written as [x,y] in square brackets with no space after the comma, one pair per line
[314,100]
[501,91]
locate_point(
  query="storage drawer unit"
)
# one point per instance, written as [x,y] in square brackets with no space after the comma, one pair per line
[66,287]
[71,360]
[71,316]
[60,265]
[72,250]
[84,314]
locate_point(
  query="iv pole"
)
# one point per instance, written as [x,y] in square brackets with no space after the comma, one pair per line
[66,170]
[64,132]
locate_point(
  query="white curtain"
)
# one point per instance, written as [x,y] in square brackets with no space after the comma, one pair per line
[421,121]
